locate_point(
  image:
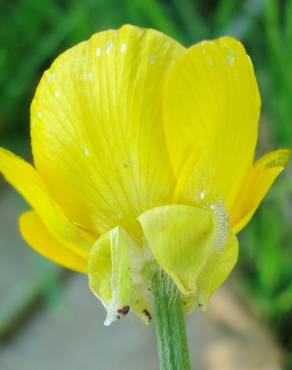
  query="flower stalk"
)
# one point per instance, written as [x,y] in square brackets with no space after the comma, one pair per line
[170,324]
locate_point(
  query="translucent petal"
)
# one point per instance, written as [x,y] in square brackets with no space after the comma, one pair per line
[258,181]
[97,132]
[181,239]
[211,109]
[115,276]
[25,179]
[216,270]
[219,266]
[40,239]
[194,246]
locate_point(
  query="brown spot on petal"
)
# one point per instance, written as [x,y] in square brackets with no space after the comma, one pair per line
[147,313]
[124,310]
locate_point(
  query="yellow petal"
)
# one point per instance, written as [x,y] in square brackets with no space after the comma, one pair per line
[114,270]
[211,106]
[255,186]
[97,132]
[40,239]
[28,183]
[182,238]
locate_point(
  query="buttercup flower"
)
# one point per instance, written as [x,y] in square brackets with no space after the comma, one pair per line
[144,159]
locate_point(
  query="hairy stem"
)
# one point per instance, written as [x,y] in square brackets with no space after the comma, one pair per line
[170,324]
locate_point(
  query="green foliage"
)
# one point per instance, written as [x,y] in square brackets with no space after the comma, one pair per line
[33,33]
[266,248]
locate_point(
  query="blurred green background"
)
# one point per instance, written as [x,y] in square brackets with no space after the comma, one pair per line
[33,33]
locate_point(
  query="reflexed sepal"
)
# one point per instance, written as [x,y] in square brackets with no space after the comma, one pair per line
[194,246]
[115,268]
[214,273]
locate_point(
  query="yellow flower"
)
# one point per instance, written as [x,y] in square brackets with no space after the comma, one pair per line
[143,151]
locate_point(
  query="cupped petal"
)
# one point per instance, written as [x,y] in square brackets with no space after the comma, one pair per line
[182,239]
[35,233]
[258,181]
[25,179]
[97,133]
[211,109]
[115,268]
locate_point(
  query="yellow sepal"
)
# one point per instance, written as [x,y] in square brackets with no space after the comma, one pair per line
[194,246]
[115,268]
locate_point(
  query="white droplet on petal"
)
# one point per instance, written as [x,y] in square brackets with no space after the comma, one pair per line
[85,151]
[51,77]
[210,62]
[202,194]
[230,58]
[90,76]
[98,52]
[32,122]
[152,59]
[57,94]
[123,48]
[109,46]
[39,114]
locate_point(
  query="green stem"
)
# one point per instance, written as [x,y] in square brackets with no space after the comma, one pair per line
[170,324]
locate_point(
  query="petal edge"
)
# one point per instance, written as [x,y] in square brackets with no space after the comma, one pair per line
[257,183]
[35,233]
